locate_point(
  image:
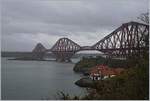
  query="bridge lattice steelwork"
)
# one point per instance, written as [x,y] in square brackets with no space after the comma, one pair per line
[128,40]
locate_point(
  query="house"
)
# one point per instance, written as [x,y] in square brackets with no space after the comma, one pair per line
[100,72]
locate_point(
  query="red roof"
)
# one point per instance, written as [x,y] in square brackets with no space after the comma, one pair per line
[105,70]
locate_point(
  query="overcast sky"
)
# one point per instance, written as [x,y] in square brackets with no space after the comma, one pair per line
[28,22]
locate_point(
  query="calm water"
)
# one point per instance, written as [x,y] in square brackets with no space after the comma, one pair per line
[37,79]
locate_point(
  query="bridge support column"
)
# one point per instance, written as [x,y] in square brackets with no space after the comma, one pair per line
[38,55]
[63,56]
[63,60]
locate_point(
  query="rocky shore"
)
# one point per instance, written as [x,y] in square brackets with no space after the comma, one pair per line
[85,82]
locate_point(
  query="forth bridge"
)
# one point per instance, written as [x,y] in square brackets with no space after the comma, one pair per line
[130,39]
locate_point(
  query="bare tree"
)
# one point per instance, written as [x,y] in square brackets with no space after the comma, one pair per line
[144,17]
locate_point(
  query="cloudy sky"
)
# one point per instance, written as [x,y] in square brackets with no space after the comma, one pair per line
[27,22]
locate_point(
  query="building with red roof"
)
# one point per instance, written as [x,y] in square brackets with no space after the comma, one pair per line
[100,72]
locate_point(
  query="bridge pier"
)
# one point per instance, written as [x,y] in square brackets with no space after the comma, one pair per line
[130,39]
[38,55]
[63,56]
[63,60]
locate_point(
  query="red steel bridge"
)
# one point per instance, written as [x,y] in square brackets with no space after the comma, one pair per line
[130,39]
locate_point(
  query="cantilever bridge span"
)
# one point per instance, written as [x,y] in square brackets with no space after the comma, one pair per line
[129,39]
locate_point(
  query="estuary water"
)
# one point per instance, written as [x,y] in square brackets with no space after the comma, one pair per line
[37,80]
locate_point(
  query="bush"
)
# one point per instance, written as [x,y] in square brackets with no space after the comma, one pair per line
[86,63]
[133,84]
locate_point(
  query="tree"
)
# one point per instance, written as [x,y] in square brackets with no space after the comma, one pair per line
[144,17]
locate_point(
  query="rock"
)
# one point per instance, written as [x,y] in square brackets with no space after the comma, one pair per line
[81,70]
[85,82]
[86,73]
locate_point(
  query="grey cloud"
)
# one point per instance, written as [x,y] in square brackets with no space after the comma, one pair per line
[89,19]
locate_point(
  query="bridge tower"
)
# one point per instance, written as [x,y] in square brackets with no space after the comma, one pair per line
[64,49]
[130,39]
[38,52]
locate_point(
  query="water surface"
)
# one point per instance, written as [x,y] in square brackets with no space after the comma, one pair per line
[37,79]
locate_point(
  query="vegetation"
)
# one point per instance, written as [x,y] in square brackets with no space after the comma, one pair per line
[132,84]
[86,63]
[144,17]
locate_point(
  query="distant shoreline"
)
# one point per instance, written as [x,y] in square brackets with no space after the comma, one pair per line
[30,59]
